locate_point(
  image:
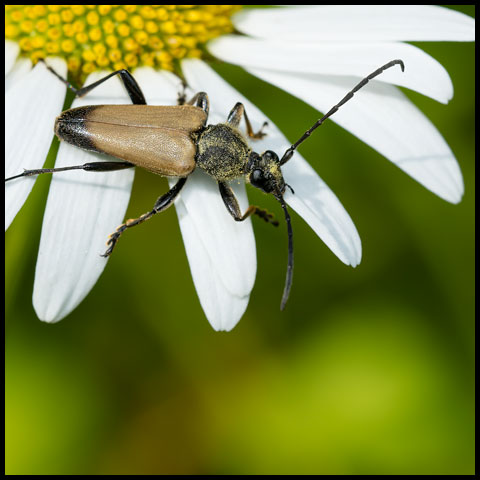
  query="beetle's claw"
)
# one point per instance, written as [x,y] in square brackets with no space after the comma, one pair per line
[109,251]
[112,241]
[267,216]
[260,134]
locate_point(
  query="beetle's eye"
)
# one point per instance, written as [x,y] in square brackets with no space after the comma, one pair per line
[257,179]
[270,156]
[256,176]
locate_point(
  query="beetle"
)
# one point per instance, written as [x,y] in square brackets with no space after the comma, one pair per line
[174,140]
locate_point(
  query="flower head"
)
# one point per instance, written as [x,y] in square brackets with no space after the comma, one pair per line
[98,37]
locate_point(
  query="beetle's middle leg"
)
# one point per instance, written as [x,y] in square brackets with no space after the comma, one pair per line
[231,202]
[235,116]
[161,204]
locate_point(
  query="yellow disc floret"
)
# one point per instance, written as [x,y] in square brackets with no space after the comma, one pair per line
[92,37]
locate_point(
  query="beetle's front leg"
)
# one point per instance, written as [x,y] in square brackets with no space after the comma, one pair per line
[182,95]
[161,204]
[199,100]
[233,207]
[235,116]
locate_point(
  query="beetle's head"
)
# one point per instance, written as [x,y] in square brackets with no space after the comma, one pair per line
[264,172]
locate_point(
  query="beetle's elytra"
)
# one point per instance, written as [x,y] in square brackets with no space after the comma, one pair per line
[156,138]
[174,140]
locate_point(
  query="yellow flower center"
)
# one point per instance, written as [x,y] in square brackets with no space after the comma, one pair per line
[92,37]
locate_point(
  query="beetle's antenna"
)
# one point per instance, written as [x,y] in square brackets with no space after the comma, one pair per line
[289,152]
[288,280]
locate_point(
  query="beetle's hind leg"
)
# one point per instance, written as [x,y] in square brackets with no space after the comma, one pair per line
[133,89]
[161,204]
[88,167]
[233,207]
[235,116]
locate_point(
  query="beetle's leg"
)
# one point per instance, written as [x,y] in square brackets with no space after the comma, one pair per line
[182,95]
[235,116]
[133,89]
[233,207]
[200,100]
[88,167]
[161,204]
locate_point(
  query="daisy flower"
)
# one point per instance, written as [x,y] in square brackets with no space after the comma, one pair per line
[316,53]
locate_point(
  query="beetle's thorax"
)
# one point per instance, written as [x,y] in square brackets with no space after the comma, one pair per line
[222,152]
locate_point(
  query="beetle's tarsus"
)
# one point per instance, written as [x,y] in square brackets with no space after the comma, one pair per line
[255,135]
[113,239]
[260,134]
[267,216]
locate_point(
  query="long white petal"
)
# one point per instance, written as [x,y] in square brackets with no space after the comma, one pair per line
[384,118]
[422,72]
[230,244]
[358,23]
[220,251]
[83,209]
[31,106]
[314,201]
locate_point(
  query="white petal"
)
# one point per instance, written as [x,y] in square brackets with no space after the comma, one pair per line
[11,53]
[422,72]
[83,209]
[359,23]
[20,69]
[384,118]
[220,251]
[318,206]
[31,106]
[159,88]
[230,244]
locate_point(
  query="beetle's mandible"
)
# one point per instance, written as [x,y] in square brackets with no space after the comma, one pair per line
[174,140]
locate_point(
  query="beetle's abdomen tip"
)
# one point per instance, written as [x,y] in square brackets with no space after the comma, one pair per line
[72,127]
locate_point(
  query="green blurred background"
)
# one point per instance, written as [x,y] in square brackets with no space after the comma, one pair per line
[367,371]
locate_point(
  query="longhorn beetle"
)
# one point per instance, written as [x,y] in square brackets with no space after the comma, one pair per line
[174,140]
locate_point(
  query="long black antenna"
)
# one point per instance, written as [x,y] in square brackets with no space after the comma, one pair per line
[289,152]
[288,279]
